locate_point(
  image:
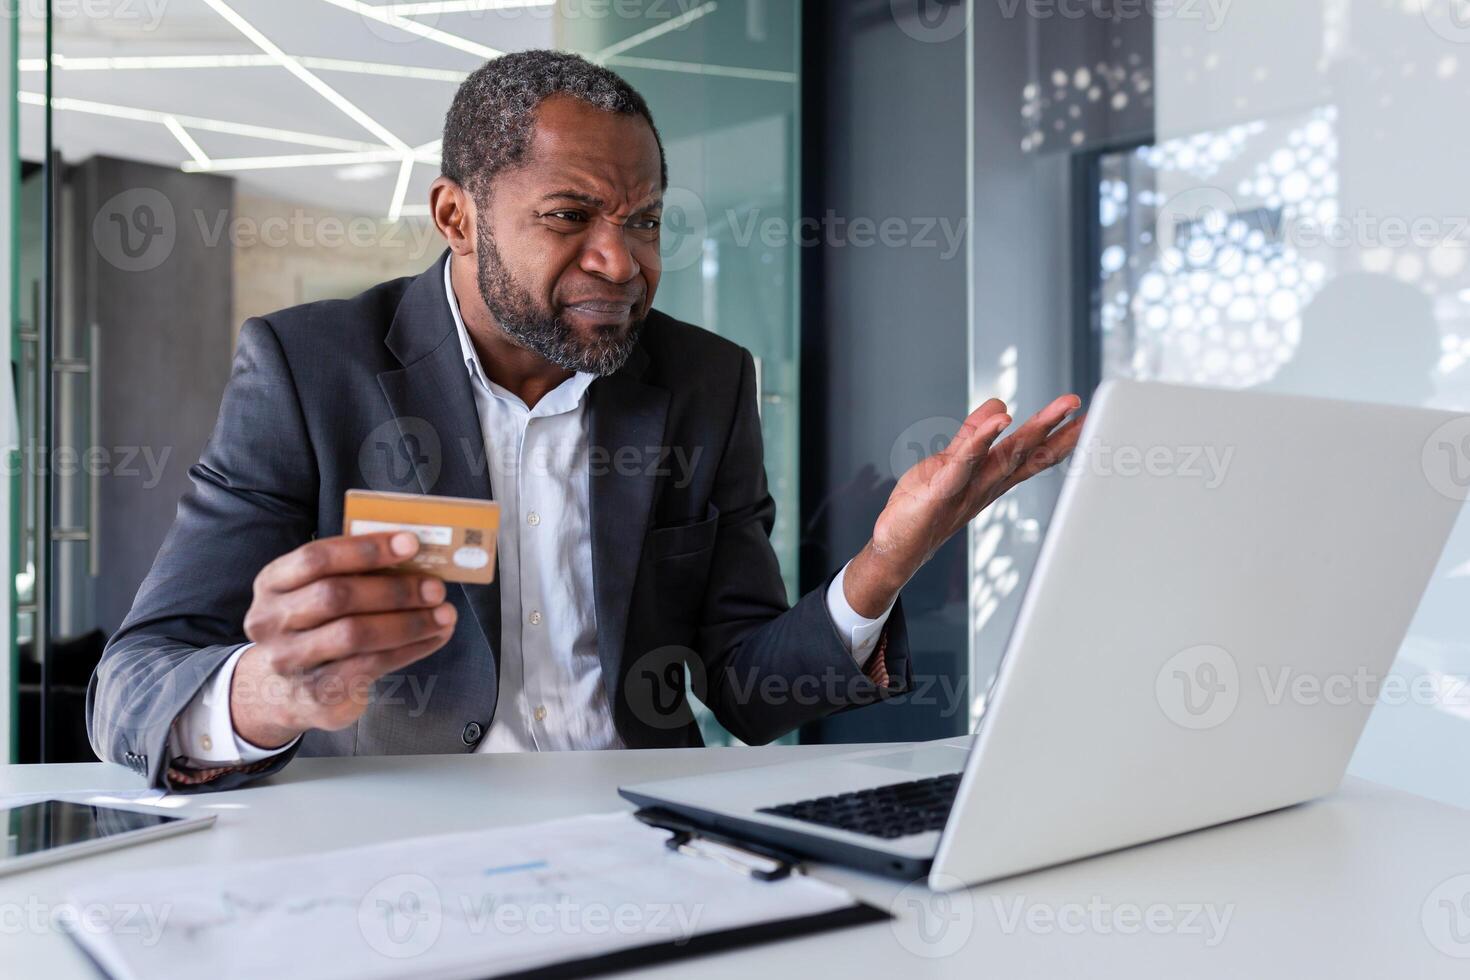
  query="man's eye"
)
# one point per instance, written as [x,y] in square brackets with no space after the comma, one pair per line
[566,215]
[645,224]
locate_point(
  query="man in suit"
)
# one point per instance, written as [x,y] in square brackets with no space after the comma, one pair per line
[527,366]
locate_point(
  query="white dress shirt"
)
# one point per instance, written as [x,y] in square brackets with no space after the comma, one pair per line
[552,694]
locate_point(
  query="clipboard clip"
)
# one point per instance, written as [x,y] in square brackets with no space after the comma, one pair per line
[759,862]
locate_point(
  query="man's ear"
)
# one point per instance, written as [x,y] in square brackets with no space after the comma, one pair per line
[453,210]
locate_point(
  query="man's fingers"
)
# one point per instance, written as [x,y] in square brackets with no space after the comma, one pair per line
[337,693]
[1010,454]
[979,428]
[1057,447]
[340,555]
[354,635]
[337,596]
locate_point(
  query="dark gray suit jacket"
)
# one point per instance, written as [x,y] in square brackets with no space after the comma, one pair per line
[373,392]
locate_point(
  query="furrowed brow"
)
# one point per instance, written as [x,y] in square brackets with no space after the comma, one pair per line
[588,199]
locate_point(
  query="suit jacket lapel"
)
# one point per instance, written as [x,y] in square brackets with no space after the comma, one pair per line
[434,406]
[626,455]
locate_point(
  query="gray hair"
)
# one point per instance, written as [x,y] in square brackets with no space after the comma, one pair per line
[488,128]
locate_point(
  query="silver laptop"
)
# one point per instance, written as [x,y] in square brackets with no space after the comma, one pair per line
[1225,577]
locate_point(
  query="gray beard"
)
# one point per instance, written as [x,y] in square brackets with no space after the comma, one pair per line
[543,333]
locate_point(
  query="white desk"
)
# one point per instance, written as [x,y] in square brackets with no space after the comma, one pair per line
[1339,888]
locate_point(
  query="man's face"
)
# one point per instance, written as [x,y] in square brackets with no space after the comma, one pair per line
[567,243]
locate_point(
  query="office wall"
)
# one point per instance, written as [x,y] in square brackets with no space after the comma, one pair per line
[885,326]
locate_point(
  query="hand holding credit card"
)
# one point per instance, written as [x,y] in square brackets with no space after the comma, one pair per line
[456,534]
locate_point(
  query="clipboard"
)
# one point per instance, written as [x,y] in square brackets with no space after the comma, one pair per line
[741,857]
[339,913]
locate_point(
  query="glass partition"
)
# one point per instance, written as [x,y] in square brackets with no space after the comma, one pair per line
[1300,224]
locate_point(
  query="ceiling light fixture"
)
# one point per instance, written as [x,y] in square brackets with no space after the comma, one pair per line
[64,103]
[294,67]
[381,15]
[400,190]
[185,140]
[283,162]
[459,6]
[189,61]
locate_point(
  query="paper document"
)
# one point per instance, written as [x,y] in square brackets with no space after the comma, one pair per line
[458,905]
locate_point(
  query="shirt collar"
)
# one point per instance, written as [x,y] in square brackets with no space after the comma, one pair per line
[563,398]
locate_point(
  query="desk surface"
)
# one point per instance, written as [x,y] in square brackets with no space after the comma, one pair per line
[1369,882]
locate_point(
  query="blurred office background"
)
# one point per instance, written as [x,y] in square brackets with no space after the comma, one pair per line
[901,207]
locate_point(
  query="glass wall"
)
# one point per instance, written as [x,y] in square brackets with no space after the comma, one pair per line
[209,160]
[1300,225]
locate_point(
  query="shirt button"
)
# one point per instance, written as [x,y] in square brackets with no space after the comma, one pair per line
[472,733]
[540,712]
[206,743]
[533,518]
[535,617]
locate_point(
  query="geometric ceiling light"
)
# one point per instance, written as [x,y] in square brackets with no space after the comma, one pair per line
[385,15]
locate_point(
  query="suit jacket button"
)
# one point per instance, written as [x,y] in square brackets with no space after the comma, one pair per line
[472,733]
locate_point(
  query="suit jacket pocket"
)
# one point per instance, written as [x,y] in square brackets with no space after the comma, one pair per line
[679,540]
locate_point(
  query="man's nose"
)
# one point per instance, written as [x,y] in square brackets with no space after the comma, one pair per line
[606,254]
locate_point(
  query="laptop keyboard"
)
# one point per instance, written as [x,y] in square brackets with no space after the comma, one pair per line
[895,810]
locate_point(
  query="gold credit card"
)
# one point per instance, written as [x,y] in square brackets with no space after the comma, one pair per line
[456,534]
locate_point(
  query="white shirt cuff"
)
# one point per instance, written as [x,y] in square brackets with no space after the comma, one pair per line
[859,633]
[204,733]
